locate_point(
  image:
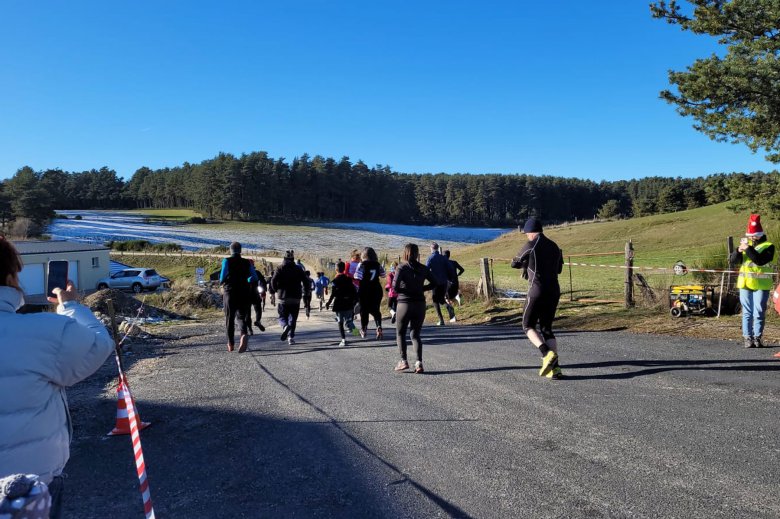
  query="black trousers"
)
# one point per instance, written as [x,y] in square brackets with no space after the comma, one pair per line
[257,304]
[237,306]
[410,316]
[370,306]
[288,315]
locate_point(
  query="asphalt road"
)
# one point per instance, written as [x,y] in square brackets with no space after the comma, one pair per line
[642,426]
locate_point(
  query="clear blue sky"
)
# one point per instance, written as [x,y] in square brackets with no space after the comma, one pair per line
[562,87]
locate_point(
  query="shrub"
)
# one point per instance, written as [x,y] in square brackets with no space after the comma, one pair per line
[142,246]
[196,220]
[77,217]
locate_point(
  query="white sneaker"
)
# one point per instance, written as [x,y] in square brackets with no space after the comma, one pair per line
[457,298]
[290,341]
[440,323]
[343,342]
[452,320]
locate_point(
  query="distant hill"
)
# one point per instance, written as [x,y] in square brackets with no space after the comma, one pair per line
[664,237]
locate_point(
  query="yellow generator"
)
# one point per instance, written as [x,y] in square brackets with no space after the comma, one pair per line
[691,300]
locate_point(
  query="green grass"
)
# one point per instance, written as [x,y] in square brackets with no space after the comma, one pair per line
[167,214]
[692,236]
[180,269]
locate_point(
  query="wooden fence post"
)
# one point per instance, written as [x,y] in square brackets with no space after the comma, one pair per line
[485,281]
[571,283]
[629,290]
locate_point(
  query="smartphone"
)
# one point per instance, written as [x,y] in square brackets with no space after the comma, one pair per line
[743,241]
[57,276]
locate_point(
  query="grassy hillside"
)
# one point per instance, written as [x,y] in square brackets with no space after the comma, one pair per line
[695,237]
[659,236]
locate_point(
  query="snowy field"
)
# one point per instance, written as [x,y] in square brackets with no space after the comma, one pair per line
[327,239]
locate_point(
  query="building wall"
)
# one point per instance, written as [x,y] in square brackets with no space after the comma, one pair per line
[87,272]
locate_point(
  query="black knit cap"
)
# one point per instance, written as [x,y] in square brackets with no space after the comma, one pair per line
[532,225]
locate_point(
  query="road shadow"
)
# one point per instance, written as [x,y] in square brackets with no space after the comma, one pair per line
[653,367]
[208,461]
[649,367]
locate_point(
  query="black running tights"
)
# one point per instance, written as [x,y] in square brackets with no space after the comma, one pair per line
[410,315]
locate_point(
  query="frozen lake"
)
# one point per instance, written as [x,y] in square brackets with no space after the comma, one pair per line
[329,239]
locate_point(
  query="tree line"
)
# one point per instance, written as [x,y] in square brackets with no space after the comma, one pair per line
[255,186]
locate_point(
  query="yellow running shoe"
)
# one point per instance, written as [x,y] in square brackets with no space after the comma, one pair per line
[555,374]
[548,362]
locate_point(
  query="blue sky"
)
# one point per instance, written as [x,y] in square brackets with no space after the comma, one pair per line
[561,88]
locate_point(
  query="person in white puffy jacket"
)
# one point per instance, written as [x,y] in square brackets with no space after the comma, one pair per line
[40,355]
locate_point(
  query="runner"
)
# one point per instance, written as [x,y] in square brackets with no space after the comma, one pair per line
[392,297]
[257,288]
[410,285]
[541,261]
[290,285]
[370,293]
[343,297]
[321,285]
[236,277]
[444,273]
[352,267]
[307,295]
[453,292]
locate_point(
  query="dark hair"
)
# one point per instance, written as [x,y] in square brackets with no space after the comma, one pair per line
[235,248]
[308,273]
[411,252]
[447,253]
[369,254]
[10,261]
[340,267]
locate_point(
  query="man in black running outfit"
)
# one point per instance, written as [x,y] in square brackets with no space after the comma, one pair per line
[541,261]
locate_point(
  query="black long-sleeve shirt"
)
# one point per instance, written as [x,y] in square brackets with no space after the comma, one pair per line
[410,282]
[343,293]
[541,261]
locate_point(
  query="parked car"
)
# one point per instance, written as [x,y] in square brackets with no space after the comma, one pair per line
[135,279]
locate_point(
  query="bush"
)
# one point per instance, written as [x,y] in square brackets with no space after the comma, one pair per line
[24,228]
[196,220]
[59,216]
[77,217]
[715,259]
[142,246]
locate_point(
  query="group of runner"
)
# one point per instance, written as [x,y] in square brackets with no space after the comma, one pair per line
[356,291]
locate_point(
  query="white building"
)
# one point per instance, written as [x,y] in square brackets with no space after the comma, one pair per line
[86,264]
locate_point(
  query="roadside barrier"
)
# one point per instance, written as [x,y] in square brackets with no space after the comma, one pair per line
[124,393]
[123,425]
[659,269]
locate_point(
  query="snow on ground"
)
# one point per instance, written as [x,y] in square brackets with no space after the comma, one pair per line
[327,239]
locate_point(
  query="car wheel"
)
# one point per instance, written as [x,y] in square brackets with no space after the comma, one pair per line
[102,286]
[137,288]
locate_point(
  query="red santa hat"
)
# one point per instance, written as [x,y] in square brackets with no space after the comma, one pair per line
[754,228]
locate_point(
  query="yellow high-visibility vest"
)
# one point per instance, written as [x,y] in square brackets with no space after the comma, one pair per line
[752,276]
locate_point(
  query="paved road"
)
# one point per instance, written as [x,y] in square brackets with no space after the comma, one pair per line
[643,426]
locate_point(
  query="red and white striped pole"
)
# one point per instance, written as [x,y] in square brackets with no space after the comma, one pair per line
[138,452]
[132,416]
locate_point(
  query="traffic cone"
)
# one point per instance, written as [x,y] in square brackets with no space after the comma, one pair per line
[122,419]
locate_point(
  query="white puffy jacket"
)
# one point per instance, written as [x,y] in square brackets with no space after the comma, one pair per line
[41,355]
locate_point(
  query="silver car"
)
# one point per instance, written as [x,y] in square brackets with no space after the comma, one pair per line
[135,279]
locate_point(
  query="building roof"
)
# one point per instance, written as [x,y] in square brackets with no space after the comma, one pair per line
[54,246]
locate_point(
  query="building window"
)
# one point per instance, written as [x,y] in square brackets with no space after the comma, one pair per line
[95,262]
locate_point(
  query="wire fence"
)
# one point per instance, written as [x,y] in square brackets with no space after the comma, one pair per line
[602,278]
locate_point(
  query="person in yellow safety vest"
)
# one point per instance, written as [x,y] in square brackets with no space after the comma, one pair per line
[755,280]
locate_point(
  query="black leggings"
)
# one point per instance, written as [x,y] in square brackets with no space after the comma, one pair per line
[540,307]
[370,306]
[410,315]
